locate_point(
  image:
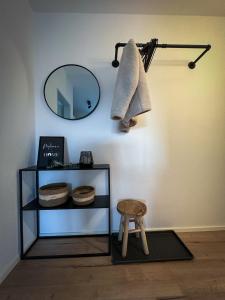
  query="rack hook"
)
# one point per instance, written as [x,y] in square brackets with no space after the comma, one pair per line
[115,63]
[192,64]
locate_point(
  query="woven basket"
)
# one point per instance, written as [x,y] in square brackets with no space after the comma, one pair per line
[54,194]
[83,195]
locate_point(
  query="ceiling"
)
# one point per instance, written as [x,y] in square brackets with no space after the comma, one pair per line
[160,7]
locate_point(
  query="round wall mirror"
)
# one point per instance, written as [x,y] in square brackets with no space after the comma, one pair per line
[72,92]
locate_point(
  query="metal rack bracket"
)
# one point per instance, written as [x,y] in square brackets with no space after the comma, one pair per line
[147,51]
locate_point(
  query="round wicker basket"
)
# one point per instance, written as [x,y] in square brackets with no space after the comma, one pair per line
[54,194]
[83,195]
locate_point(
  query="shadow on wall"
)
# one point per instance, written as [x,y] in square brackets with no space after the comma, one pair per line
[170,62]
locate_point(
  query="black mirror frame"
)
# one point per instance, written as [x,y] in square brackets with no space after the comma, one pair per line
[73,66]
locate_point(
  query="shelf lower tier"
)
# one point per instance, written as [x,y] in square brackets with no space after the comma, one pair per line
[102,201]
[61,247]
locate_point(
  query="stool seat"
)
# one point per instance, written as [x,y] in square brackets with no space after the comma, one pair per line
[132,208]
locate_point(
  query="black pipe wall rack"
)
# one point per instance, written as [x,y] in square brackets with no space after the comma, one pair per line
[147,51]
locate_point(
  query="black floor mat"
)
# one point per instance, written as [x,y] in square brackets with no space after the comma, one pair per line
[163,246]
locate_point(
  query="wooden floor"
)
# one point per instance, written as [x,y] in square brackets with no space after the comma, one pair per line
[95,278]
[68,246]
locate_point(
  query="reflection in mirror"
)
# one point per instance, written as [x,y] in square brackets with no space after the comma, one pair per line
[72,92]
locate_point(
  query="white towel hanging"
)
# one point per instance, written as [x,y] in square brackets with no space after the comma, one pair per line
[131,94]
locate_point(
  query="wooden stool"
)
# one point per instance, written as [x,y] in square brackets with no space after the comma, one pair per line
[132,211]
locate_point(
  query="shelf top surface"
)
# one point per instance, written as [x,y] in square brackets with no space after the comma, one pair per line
[102,201]
[69,167]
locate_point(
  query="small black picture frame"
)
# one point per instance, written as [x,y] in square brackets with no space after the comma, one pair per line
[50,151]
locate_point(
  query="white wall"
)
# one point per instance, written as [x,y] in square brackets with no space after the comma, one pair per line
[174,158]
[16,121]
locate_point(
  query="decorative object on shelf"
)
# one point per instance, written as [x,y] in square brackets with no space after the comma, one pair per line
[54,194]
[83,195]
[132,211]
[72,92]
[50,152]
[86,159]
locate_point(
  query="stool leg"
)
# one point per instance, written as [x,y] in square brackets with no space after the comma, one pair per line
[136,227]
[125,236]
[143,237]
[120,236]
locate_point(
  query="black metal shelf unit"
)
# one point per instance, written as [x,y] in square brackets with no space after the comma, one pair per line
[101,201]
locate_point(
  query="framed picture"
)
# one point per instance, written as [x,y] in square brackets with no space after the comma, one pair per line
[51,151]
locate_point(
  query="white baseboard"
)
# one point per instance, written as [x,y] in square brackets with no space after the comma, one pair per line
[189,229]
[9,268]
[72,233]
[178,229]
[186,229]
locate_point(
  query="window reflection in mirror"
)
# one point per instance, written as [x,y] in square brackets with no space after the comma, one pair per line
[72,92]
